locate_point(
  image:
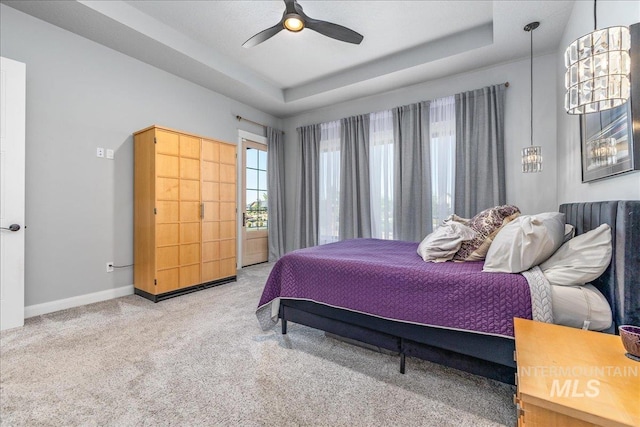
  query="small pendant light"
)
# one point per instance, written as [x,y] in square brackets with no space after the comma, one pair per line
[532,155]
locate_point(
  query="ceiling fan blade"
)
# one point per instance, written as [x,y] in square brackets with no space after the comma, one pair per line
[334,31]
[263,35]
[292,6]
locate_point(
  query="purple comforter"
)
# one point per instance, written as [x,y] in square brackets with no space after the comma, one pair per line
[388,279]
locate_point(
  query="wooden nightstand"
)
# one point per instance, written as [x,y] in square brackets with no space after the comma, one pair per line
[571,377]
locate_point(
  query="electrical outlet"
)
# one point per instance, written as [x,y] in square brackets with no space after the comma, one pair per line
[110,267]
[99,152]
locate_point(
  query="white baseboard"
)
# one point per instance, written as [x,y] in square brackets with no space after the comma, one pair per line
[63,304]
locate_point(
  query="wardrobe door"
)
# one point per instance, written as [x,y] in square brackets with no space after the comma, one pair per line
[167,165]
[227,210]
[190,211]
[211,210]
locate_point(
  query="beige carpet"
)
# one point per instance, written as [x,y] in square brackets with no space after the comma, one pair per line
[201,359]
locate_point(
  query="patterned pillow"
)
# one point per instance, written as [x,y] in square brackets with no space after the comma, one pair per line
[486,225]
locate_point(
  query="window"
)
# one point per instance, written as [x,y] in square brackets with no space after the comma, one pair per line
[329,186]
[442,146]
[381,174]
[442,126]
[256,185]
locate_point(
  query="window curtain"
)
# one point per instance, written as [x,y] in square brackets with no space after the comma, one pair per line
[381,174]
[306,221]
[480,175]
[442,125]
[329,183]
[412,175]
[355,203]
[275,191]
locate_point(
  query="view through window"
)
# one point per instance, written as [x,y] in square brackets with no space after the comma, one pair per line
[329,200]
[442,124]
[256,197]
[442,148]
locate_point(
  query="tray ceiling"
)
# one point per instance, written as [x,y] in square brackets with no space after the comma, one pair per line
[405,42]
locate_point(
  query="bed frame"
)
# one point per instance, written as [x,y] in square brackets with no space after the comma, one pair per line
[488,355]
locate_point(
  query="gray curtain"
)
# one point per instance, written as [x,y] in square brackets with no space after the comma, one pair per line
[275,192]
[480,176]
[306,221]
[412,172]
[355,209]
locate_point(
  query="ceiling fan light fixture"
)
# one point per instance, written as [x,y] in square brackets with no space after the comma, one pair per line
[293,22]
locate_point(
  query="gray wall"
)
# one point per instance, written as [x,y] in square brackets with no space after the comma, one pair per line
[570,186]
[81,95]
[531,192]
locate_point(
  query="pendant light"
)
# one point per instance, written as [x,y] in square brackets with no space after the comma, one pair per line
[532,155]
[598,67]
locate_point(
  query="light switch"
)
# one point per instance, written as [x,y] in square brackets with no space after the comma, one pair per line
[109,153]
[100,152]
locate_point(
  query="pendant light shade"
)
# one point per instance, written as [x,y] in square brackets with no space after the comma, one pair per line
[532,159]
[598,67]
[532,155]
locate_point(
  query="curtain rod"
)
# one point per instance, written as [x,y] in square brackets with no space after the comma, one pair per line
[251,121]
[265,126]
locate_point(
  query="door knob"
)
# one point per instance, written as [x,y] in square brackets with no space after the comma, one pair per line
[12,227]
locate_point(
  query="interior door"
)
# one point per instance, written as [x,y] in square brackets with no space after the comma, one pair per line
[12,178]
[255,217]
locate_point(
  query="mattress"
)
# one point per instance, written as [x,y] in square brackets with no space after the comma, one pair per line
[388,279]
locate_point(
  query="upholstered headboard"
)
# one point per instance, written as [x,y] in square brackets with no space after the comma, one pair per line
[620,283]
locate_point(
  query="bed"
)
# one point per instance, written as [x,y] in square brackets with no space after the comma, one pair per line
[412,324]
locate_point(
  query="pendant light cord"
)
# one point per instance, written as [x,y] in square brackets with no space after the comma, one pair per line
[595,27]
[531,84]
[530,27]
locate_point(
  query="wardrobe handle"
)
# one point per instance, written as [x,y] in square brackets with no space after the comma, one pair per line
[201,210]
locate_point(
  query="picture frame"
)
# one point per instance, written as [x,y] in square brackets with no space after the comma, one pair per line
[610,140]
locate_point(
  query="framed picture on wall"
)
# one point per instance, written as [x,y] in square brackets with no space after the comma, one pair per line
[607,143]
[610,143]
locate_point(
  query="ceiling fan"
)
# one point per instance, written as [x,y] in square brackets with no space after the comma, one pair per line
[294,19]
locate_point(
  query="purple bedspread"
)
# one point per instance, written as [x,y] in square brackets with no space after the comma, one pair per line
[388,279]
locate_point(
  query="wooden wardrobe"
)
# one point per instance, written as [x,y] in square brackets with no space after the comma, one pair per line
[184,212]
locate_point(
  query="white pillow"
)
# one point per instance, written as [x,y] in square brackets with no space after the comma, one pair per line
[525,242]
[581,260]
[444,242]
[575,305]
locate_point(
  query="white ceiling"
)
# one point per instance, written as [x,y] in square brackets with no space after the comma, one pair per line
[405,42]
